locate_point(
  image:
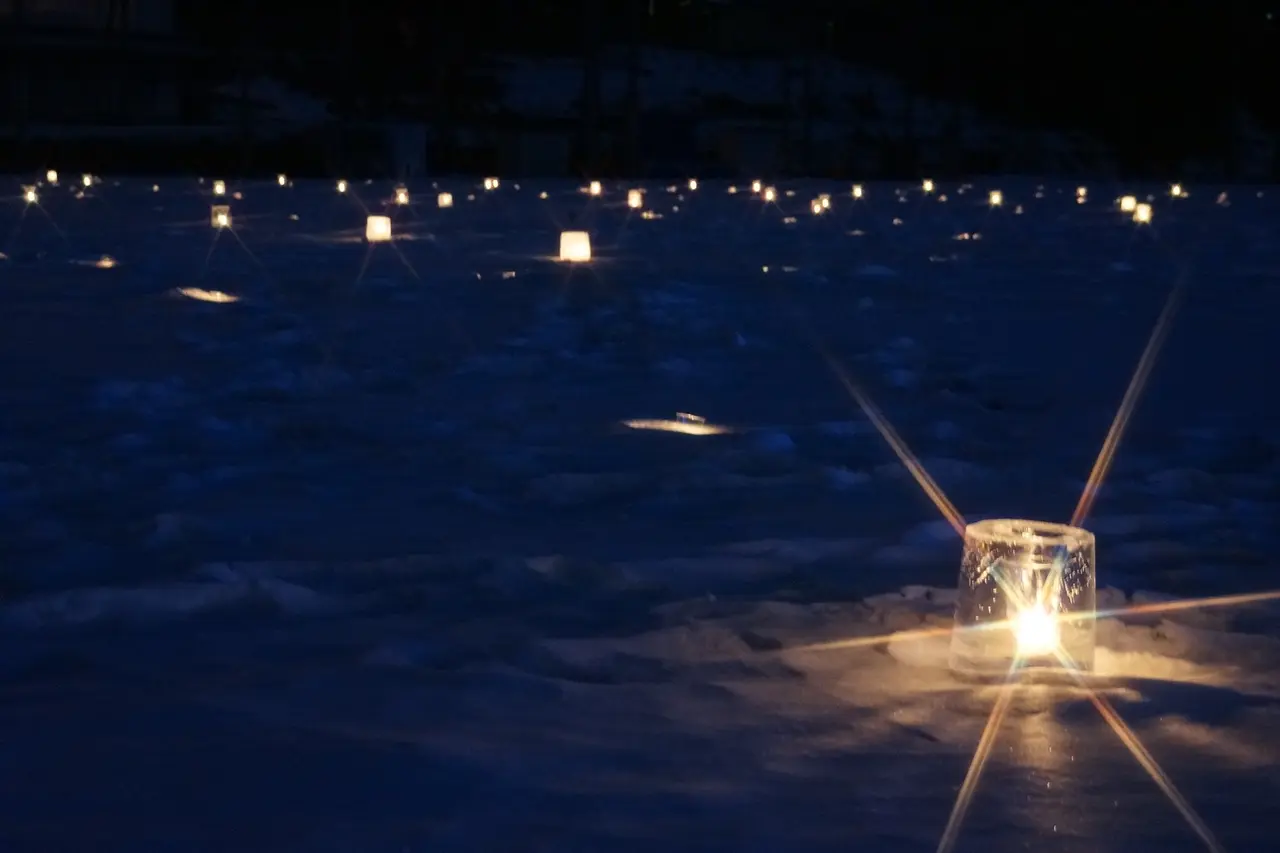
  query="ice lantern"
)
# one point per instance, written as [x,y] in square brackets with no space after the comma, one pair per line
[1026,601]
[219,187]
[444,200]
[377,229]
[635,199]
[575,246]
[220,216]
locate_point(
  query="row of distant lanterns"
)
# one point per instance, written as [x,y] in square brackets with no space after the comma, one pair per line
[575,246]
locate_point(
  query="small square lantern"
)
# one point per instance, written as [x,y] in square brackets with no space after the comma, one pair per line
[29,195]
[756,186]
[282,180]
[635,199]
[51,176]
[1128,204]
[219,187]
[444,200]
[927,185]
[342,186]
[693,183]
[377,229]
[1142,214]
[1176,190]
[594,188]
[86,180]
[402,196]
[490,184]
[770,194]
[857,190]
[575,246]
[220,216]
[995,198]
[1027,595]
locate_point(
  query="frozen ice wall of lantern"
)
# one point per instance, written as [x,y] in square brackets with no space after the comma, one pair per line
[402,196]
[219,187]
[635,199]
[444,200]
[575,246]
[220,216]
[1026,601]
[996,198]
[377,229]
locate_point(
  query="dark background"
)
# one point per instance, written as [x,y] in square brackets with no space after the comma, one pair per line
[1158,85]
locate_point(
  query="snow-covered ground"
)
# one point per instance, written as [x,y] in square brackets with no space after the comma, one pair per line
[368,560]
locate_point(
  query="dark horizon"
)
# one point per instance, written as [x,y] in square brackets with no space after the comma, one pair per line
[1156,89]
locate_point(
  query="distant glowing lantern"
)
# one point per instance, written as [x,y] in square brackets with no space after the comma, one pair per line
[927,185]
[1142,214]
[342,186]
[1082,193]
[220,216]
[490,184]
[1128,203]
[1026,601]
[201,295]
[693,183]
[756,186]
[1222,200]
[770,194]
[402,196]
[594,188]
[377,229]
[857,190]
[825,200]
[444,200]
[86,180]
[575,246]
[635,199]
[51,176]
[816,207]
[995,198]
[1175,190]
[29,195]
[219,187]
[282,179]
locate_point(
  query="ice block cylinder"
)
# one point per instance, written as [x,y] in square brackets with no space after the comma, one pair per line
[1026,600]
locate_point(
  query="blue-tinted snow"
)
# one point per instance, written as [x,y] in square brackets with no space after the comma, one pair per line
[366,561]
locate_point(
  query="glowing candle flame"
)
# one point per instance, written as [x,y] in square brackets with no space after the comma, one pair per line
[1036,632]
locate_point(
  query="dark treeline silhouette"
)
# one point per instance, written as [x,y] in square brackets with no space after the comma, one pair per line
[1158,84]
